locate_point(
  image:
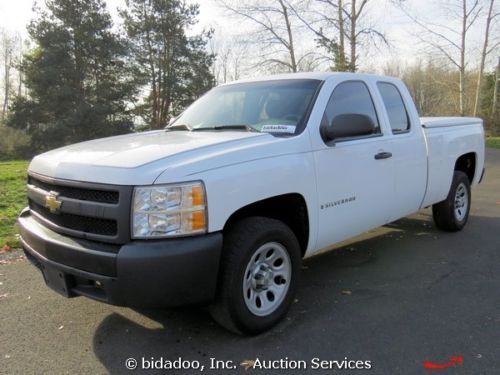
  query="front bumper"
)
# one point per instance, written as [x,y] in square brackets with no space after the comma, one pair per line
[149,273]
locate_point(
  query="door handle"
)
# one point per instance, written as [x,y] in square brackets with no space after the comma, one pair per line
[383,155]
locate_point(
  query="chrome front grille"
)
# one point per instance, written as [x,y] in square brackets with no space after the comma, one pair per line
[93,211]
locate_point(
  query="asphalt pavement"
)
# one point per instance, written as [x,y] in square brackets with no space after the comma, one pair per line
[394,298]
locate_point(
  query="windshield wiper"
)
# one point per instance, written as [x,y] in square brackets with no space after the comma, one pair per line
[247,128]
[178,127]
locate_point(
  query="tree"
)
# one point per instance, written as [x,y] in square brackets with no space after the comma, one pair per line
[174,66]
[486,50]
[76,76]
[8,48]
[23,45]
[448,41]
[230,57]
[274,33]
[329,18]
[7,62]
[494,105]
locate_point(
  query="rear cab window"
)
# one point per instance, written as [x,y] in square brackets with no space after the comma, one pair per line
[395,107]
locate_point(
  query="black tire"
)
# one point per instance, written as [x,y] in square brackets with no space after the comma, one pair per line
[241,244]
[445,214]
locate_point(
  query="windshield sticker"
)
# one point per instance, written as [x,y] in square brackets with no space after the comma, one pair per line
[284,129]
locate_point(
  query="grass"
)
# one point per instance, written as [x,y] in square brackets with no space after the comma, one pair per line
[12,199]
[493,142]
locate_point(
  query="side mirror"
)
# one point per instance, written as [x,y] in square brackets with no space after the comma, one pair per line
[349,125]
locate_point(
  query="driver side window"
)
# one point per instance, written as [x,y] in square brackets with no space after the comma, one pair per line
[351,97]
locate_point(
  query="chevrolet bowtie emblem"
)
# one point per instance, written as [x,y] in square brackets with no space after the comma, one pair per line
[52,203]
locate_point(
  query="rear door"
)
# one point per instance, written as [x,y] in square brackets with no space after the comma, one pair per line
[355,178]
[409,154]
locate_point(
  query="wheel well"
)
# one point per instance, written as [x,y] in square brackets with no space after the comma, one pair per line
[291,209]
[467,164]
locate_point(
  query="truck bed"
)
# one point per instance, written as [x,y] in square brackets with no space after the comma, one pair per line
[443,122]
[448,138]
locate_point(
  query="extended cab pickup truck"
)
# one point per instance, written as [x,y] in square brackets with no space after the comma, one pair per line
[221,206]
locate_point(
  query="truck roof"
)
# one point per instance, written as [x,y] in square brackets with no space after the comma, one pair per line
[322,76]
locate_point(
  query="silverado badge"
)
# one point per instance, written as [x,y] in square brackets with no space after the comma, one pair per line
[52,203]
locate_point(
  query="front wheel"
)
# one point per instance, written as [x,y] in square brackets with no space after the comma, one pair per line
[452,213]
[260,267]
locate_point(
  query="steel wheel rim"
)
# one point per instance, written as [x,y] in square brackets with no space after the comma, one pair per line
[461,202]
[267,279]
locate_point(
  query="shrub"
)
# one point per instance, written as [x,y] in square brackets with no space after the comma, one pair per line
[14,144]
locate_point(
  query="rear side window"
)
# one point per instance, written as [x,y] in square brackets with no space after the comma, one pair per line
[395,106]
[351,97]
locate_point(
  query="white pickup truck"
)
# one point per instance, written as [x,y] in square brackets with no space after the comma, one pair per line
[222,205]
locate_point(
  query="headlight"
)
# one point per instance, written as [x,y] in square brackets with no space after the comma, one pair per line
[169,210]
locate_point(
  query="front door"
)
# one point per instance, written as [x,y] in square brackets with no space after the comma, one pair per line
[355,176]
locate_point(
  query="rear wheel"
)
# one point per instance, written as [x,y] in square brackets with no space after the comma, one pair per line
[260,266]
[452,213]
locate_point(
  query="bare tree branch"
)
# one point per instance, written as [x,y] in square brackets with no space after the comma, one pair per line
[484,53]
[274,22]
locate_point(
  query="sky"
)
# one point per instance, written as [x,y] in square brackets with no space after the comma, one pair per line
[400,31]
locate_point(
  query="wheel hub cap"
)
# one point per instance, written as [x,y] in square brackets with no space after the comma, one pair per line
[262,277]
[267,278]
[461,202]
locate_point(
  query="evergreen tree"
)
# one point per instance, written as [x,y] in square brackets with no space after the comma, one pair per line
[76,76]
[175,67]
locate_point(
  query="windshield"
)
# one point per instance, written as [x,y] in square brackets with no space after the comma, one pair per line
[271,106]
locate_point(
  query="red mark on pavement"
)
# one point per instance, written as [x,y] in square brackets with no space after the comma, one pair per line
[5,249]
[458,360]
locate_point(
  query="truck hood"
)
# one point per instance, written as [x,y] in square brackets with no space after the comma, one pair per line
[139,158]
